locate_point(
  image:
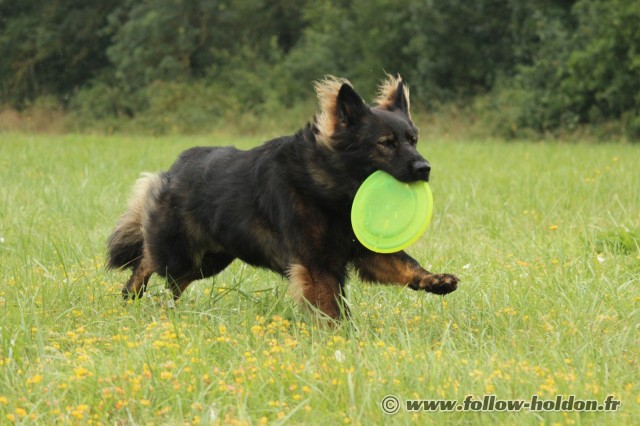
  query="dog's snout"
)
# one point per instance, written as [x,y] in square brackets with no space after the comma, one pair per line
[421,170]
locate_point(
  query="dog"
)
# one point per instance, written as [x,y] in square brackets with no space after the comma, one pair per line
[284,205]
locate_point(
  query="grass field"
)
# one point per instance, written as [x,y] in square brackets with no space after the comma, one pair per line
[543,236]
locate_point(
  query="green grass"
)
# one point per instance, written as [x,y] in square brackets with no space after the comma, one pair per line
[544,306]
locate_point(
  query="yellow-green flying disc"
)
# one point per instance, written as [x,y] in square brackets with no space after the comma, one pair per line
[388,215]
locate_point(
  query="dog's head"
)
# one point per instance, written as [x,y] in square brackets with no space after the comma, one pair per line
[369,138]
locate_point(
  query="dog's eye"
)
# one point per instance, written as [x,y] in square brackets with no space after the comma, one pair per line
[387,142]
[413,140]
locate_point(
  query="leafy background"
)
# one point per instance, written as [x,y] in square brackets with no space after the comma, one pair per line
[524,69]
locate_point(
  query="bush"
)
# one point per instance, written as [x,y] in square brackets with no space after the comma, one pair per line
[42,115]
[583,73]
[528,68]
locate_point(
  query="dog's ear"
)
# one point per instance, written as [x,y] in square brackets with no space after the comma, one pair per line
[393,95]
[350,106]
[340,105]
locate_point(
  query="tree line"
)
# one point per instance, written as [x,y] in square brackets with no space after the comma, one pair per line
[542,65]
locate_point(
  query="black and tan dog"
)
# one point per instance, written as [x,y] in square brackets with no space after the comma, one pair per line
[284,205]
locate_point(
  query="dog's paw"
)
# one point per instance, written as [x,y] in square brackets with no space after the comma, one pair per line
[437,283]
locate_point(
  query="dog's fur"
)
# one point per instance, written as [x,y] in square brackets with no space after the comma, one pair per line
[284,205]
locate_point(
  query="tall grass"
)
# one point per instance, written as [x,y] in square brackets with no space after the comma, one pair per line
[544,306]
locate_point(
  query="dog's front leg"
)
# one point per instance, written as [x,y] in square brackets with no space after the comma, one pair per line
[400,268]
[318,288]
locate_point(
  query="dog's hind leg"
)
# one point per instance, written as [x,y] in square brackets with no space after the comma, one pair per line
[320,289]
[400,268]
[211,264]
[137,284]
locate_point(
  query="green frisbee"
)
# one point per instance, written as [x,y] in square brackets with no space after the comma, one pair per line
[388,215]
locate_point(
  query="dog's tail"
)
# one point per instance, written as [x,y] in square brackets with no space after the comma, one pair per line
[126,242]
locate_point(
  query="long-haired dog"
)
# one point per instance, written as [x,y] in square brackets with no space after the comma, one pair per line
[284,205]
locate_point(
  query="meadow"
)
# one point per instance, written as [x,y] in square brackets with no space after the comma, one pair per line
[544,237]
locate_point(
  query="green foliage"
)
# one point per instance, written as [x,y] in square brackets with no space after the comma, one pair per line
[155,40]
[50,48]
[459,47]
[585,70]
[339,39]
[603,73]
[99,101]
[538,67]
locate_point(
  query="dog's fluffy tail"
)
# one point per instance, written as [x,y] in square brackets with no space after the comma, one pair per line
[126,242]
